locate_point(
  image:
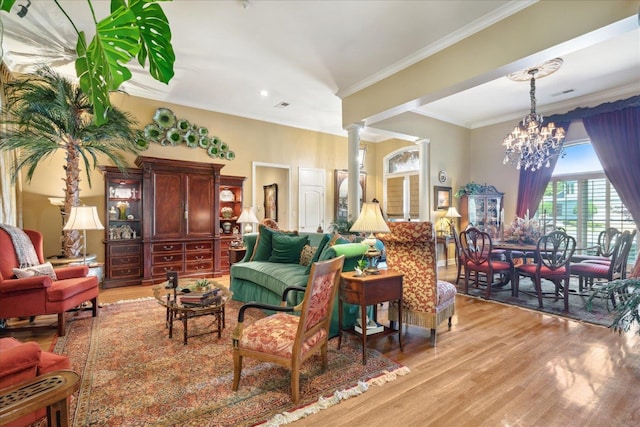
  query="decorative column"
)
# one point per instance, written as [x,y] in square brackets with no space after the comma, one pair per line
[353,208]
[424,181]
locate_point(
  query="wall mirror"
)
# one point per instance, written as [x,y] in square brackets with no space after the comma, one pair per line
[341,191]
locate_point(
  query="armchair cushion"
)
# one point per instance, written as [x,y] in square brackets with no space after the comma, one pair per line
[45,269]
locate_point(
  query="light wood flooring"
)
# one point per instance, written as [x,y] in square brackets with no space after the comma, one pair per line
[498,366]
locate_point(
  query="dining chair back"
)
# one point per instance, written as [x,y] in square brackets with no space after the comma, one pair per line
[607,240]
[553,254]
[479,259]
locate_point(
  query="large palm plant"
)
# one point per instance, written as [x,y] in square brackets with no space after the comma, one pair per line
[47,112]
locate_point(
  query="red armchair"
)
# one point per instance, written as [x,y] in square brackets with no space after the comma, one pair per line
[38,295]
[23,361]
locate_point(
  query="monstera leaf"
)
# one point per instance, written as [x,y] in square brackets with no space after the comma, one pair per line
[6,5]
[138,28]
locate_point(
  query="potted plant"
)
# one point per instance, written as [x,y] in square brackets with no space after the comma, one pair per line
[627,295]
[45,113]
[202,285]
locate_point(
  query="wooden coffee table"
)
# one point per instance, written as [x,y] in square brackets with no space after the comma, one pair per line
[176,310]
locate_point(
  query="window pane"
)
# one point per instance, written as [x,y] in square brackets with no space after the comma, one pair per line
[395,197]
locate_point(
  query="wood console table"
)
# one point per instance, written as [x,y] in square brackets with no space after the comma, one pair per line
[445,241]
[50,390]
[370,290]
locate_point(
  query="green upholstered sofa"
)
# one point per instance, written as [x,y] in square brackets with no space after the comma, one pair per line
[264,281]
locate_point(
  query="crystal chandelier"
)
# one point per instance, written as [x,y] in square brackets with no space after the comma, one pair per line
[532,144]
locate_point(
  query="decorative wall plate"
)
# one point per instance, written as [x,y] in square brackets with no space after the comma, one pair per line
[203,131]
[164,118]
[224,147]
[204,142]
[227,196]
[213,151]
[142,143]
[152,132]
[183,125]
[174,136]
[216,141]
[231,155]
[191,139]
[442,176]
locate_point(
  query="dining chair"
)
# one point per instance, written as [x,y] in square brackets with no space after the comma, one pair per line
[605,270]
[477,249]
[553,255]
[605,247]
[283,337]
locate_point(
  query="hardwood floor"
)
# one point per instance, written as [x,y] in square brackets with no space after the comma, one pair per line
[498,366]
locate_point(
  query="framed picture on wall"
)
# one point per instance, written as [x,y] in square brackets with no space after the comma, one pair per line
[271,201]
[442,197]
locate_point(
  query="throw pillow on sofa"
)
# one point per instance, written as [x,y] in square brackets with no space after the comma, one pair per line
[316,256]
[307,254]
[45,269]
[262,248]
[286,249]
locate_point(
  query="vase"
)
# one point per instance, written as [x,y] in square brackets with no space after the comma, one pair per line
[122,212]
[226,227]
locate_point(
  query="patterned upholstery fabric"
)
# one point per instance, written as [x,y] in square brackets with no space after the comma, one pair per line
[411,250]
[276,334]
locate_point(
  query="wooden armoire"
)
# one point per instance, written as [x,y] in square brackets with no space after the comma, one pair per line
[181,228]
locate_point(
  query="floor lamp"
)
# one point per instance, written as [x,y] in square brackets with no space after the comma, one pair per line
[83,218]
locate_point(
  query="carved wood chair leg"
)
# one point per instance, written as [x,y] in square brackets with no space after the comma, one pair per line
[433,337]
[237,370]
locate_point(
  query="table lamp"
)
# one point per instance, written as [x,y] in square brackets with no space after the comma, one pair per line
[452,212]
[370,221]
[83,218]
[248,218]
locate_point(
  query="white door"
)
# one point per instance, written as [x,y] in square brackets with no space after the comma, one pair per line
[311,198]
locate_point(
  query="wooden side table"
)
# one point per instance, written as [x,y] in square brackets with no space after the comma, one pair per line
[236,254]
[445,241]
[370,290]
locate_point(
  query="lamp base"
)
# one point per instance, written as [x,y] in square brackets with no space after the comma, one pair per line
[372,267]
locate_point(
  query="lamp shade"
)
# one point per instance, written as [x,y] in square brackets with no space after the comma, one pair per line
[83,218]
[370,220]
[452,212]
[247,216]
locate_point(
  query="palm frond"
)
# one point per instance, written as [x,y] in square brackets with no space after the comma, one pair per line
[627,295]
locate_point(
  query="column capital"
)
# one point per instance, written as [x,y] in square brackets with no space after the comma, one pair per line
[422,141]
[354,127]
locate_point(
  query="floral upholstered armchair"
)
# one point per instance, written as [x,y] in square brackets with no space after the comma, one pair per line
[427,301]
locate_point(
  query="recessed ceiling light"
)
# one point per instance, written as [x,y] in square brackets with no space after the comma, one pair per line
[264,92]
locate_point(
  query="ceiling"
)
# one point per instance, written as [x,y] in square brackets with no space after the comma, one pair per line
[309,54]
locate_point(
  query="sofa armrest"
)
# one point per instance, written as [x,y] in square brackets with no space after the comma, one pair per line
[249,242]
[71,272]
[17,285]
[352,253]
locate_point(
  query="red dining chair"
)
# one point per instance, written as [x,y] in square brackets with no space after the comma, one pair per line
[477,249]
[590,270]
[553,255]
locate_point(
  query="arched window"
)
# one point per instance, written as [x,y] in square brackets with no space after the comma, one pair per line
[401,188]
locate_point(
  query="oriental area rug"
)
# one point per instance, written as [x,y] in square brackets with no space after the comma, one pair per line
[601,313]
[133,374]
